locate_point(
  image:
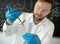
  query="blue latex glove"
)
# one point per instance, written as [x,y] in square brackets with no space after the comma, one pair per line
[12,14]
[31,38]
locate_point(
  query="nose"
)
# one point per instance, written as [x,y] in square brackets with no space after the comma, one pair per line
[40,11]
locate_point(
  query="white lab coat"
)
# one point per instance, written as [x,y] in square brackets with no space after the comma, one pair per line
[44,29]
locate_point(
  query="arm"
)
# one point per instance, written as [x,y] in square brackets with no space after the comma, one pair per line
[46,36]
[9,29]
[9,26]
[12,28]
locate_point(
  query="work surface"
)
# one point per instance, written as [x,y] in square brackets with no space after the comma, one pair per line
[7,40]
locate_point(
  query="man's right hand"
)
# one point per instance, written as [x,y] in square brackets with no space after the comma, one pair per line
[12,14]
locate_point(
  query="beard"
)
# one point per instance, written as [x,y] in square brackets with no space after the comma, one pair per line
[37,19]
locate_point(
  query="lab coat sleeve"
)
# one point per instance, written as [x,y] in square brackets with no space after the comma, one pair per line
[12,29]
[9,29]
[46,33]
[48,36]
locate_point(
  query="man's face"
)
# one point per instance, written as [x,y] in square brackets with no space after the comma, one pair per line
[41,10]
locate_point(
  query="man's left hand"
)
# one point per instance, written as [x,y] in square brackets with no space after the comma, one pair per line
[31,38]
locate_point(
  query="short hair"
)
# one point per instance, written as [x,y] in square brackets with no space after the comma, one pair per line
[48,1]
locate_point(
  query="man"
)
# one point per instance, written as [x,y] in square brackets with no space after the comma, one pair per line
[30,28]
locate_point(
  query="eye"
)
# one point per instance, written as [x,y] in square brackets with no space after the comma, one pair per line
[44,11]
[37,7]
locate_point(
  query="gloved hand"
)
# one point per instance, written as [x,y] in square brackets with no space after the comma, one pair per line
[31,38]
[12,14]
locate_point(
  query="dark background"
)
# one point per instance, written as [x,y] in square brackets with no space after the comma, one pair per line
[27,6]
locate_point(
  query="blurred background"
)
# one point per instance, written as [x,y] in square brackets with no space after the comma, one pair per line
[27,6]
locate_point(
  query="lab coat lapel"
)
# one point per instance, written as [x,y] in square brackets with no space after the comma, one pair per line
[40,26]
